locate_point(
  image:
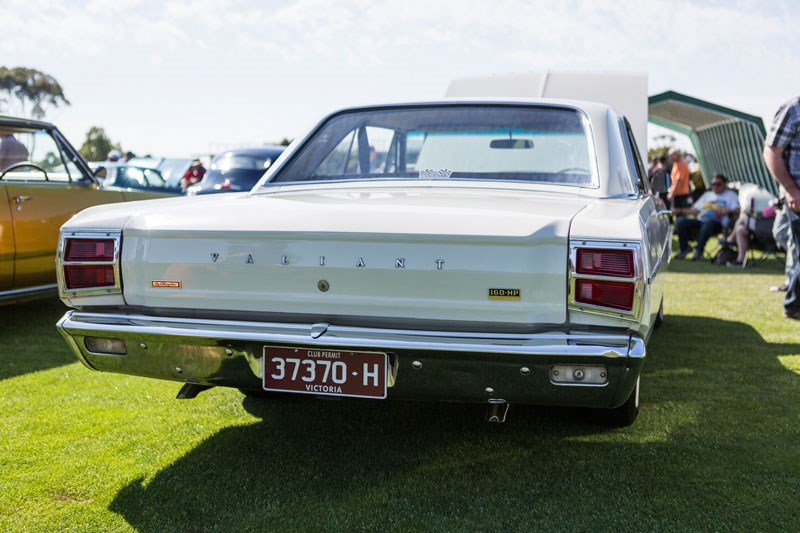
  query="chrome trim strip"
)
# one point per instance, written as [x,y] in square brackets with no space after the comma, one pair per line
[544,344]
[29,292]
[638,279]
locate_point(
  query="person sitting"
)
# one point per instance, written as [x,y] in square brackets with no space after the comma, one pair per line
[712,211]
[749,226]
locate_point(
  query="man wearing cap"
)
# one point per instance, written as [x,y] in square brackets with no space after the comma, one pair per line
[782,156]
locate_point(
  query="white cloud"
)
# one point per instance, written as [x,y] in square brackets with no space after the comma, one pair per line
[289,60]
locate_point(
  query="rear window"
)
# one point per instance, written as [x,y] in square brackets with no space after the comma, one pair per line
[470,142]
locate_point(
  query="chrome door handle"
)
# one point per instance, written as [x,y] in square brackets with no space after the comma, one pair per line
[19,200]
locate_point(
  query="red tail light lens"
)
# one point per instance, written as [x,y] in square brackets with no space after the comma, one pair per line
[84,276]
[614,294]
[598,262]
[89,250]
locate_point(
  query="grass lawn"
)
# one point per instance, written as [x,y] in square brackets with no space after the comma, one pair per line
[716,447]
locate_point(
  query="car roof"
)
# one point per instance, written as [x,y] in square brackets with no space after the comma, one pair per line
[24,122]
[261,151]
[460,101]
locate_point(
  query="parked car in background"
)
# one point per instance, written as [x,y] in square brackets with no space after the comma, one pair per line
[43,182]
[236,170]
[485,251]
[172,169]
[129,177]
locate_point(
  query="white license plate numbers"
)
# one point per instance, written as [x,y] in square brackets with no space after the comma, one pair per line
[325,372]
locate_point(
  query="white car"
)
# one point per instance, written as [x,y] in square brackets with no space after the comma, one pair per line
[492,251]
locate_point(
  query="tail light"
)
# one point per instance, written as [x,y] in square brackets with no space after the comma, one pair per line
[89,263]
[89,250]
[612,294]
[599,262]
[605,278]
[85,276]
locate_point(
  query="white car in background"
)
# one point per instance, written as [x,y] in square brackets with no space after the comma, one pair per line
[488,251]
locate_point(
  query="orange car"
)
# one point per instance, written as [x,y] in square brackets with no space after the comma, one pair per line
[43,182]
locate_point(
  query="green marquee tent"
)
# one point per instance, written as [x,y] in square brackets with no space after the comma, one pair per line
[725,140]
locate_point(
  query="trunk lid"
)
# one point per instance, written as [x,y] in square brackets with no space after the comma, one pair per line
[392,256]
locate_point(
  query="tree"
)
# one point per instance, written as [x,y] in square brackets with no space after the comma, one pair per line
[97,145]
[26,86]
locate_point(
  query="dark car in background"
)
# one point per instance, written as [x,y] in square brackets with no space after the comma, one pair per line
[236,170]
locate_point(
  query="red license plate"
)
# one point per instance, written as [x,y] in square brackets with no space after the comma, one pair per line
[325,372]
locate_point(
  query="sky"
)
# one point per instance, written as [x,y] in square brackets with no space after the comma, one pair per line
[189,77]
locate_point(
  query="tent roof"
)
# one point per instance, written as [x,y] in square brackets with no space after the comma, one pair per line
[725,140]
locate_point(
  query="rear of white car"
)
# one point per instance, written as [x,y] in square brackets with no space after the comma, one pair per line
[442,287]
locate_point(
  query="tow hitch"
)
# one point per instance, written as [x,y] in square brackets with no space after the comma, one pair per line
[496,410]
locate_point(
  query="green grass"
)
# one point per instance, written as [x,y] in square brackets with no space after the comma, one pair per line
[716,446]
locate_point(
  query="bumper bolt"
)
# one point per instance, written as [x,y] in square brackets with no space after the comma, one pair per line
[228,352]
[416,365]
[489,391]
[179,370]
[143,346]
[524,370]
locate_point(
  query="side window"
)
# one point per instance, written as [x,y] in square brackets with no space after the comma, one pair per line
[380,144]
[642,181]
[39,150]
[343,159]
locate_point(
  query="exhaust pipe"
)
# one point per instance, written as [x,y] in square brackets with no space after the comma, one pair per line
[497,410]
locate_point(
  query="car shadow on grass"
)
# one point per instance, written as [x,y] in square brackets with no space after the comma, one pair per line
[29,341]
[705,453]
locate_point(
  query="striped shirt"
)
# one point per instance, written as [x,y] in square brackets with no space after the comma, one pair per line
[785,133]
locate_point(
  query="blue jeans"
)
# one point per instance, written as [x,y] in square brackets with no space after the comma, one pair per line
[792,301]
[707,229]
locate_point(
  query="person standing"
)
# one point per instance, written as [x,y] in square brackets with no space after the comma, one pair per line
[782,157]
[658,178]
[679,176]
[194,174]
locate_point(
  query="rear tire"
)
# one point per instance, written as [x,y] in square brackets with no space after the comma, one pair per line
[625,414]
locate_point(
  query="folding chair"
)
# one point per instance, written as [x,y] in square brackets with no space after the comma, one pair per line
[761,239]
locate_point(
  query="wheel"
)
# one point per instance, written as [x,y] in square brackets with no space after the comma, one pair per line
[660,316]
[625,414]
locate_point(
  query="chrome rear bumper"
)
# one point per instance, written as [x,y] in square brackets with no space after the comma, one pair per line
[433,365]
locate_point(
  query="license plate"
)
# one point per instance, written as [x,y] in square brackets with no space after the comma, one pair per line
[325,372]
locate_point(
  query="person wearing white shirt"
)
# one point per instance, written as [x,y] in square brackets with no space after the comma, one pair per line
[712,212]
